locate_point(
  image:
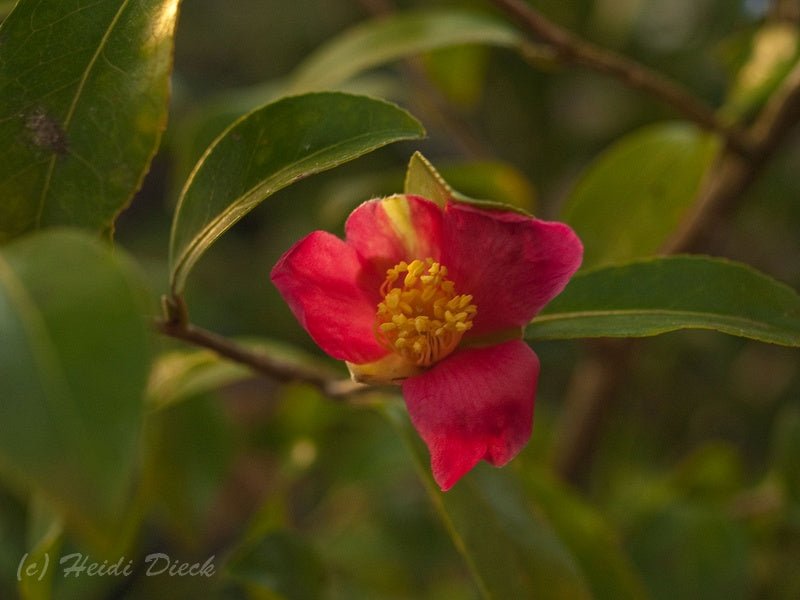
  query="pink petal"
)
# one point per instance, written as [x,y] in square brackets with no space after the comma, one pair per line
[511,264]
[323,282]
[388,230]
[476,404]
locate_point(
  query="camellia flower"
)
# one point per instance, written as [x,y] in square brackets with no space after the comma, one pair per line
[435,299]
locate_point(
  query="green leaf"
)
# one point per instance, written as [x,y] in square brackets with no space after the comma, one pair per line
[774,51]
[594,544]
[510,549]
[689,550]
[666,294]
[401,35]
[269,149]
[44,540]
[73,367]
[83,100]
[422,179]
[280,566]
[632,198]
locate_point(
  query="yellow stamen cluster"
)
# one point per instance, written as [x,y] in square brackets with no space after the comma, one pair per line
[421,317]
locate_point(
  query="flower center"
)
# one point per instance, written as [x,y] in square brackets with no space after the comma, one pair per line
[421,317]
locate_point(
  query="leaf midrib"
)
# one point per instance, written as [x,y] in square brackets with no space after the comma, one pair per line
[74,104]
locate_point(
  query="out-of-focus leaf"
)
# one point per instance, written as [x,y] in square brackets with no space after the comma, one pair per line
[269,149]
[83,101]
[279,566]
[786,450]
[190,448]
[594,544]
[44,541]
[459,72]
[337,64]
[691,551]
[179,375]
[511,551]
[73,367]
[655,296]
[495,181]
[632,198]
[404,34]
[774,51]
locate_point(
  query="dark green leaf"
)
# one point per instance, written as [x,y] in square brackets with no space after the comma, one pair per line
[270,149]
[73,367]
[83,101]
[691,551]
[280,565]
[594,544]
[632,198]
[511,550]
[665,294]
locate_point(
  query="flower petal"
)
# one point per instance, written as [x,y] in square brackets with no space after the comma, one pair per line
[322,280]
[476,404]
[387,230]
[511,264]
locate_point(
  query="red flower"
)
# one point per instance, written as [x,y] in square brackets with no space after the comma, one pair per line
[435,299]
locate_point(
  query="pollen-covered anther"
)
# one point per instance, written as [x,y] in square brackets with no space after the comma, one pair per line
[421,317]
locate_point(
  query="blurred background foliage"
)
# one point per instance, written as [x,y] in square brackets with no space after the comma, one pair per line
[695,475]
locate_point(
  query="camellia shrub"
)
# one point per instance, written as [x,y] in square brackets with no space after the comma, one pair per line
[499,209]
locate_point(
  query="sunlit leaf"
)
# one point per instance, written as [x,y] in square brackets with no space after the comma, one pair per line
[665,294]
[269,149]
[422,179]
[74,359]
[774,51]
[510,549]
[632,198]
[83,100]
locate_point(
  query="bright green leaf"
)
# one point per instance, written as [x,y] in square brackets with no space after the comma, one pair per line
[510,549]
[632,198]
[83,100]
[73,367]
[665,294]
[269,149]
[401,35]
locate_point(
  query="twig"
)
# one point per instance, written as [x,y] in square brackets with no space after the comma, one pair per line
[570,48]
[176,325]
[593,385]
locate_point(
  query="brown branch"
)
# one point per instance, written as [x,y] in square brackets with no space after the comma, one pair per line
[570,48]
[595,381]
[176,325]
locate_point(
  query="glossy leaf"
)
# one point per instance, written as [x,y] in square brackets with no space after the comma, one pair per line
[83,100]
[666,294]
[401,35]
[269,149]
[510,549]
[73,366]
[632,198]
